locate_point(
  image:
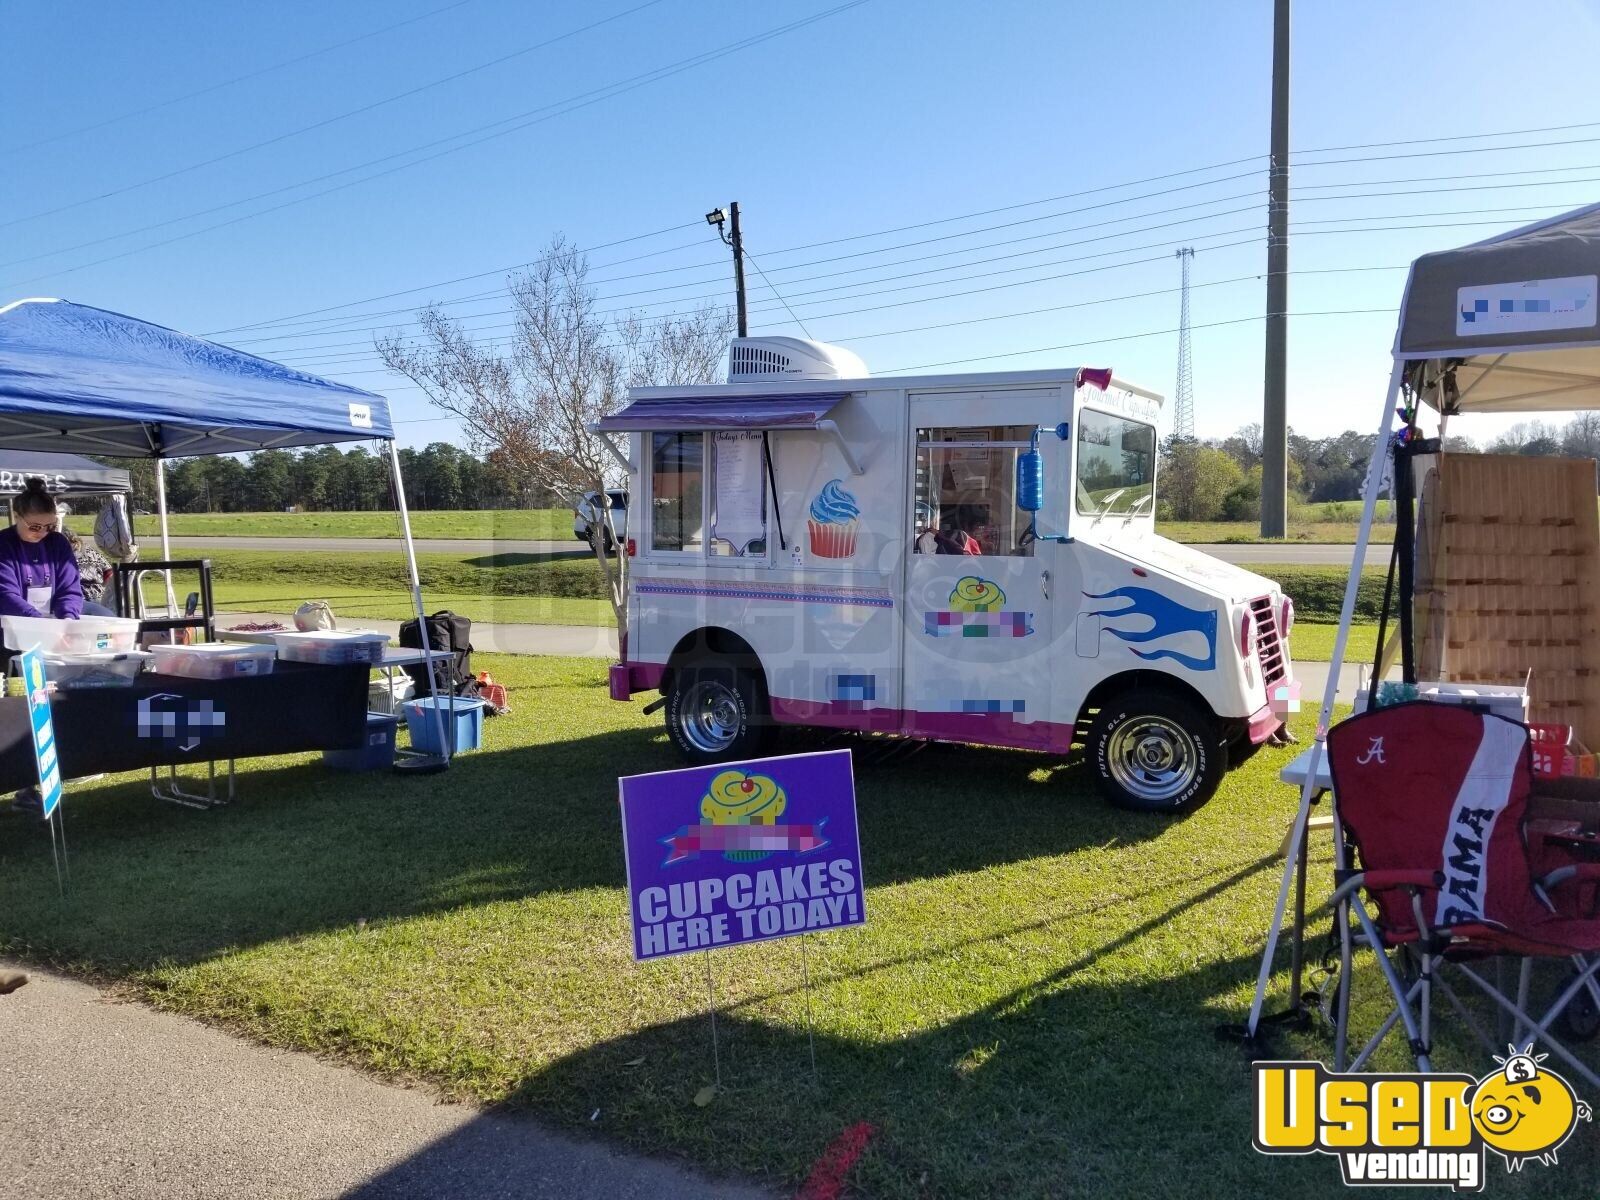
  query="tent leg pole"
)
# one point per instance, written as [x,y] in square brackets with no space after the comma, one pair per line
[166,539]
[416,601]
[1314,758]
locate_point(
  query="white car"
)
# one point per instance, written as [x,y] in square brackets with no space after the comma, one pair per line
[587,516]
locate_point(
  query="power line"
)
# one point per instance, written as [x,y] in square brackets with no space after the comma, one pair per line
[573,104]
[1333,162]
[226,83]
[854,288]
[315,125]
[858,254]
[775,291]
[1128,337]
[1459,137]
[967,233]
[638,237]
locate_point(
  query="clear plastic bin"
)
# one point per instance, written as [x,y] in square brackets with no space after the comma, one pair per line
[87,635]
[331,647]
[111,668]
[214,660]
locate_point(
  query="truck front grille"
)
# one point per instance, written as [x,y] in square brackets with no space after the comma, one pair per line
[1269,641]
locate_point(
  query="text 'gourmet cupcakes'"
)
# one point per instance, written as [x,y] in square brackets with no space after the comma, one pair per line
[834,521]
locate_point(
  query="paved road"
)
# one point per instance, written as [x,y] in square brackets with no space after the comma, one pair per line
[117,1100]
[1377,555]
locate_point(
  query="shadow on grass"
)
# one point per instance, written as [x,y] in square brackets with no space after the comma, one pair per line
[524,558]
[1068,1085]
[305,849]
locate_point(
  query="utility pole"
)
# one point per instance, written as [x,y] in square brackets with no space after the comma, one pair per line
[1274,415]
[1183,403]
[718,217]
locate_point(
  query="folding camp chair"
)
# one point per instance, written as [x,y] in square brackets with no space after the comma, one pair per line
[1433,797]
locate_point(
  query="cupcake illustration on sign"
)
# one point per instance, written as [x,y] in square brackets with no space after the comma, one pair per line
[835,518]
[976,595]
[735,798]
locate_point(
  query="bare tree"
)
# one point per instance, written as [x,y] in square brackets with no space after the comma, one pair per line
[533,403]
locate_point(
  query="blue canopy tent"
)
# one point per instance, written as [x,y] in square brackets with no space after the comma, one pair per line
[80,379]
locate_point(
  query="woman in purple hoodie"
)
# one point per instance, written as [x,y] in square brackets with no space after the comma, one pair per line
[38,570]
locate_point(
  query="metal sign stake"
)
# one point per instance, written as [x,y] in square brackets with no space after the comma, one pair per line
[57,855]
[805,973]
[711,1004]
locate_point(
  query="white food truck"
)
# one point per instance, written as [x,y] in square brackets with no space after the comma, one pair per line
[962,558]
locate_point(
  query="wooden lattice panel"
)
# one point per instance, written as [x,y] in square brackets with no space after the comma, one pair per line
[1509,581]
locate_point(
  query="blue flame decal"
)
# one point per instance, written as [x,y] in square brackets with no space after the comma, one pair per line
[1168,618]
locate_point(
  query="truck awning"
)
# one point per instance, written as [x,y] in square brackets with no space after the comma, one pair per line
[701,414]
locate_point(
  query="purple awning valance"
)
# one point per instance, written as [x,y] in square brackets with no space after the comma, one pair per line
[699,414]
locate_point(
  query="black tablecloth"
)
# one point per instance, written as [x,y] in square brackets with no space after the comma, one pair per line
[168,719]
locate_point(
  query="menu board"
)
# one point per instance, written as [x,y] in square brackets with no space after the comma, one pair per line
[741,495]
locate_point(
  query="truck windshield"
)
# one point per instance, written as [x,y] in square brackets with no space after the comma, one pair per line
[1116,464]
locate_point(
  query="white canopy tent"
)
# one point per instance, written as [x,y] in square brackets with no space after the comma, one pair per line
[1505,325]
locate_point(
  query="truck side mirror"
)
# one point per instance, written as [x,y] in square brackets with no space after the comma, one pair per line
[1030,481]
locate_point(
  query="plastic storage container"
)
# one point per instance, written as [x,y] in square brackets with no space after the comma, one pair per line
[110,668]
[377,754]
[331,647]
[425,729]
[214,660]
[386,697]
[88,635]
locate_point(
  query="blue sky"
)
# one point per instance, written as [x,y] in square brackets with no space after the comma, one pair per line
[890,114]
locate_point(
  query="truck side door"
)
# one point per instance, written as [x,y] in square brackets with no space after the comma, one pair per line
[979,594]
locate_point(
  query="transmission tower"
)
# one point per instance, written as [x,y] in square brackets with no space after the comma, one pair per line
[1183,403]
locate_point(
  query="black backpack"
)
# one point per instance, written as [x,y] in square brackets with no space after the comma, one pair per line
[451,634]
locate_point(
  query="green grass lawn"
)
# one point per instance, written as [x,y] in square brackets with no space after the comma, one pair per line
[1314,642]
[1309,532]
[487,524]
[1027,1013]
[564,589]
[1335,523]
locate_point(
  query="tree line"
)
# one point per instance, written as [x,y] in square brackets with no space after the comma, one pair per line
[328,479]
[1219,479]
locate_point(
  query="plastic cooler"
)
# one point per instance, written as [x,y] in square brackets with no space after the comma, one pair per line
[110,668]
[214,660]
[331,647]
[424,728]
[87,635]
[376,754]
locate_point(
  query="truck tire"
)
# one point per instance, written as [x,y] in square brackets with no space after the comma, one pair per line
[716,711]
[1152,751]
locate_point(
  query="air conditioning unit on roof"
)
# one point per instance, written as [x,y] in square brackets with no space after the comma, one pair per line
[762,359]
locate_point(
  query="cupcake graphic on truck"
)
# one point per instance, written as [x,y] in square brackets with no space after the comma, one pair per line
[835,518]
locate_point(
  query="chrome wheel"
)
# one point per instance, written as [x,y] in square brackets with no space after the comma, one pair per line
[712,715]
[1152,758]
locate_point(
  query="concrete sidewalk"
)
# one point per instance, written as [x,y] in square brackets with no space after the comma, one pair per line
[117,1100]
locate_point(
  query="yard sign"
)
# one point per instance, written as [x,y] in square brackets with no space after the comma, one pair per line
[741,852]
[44,733]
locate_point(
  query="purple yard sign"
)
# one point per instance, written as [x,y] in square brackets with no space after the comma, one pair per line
[741,852]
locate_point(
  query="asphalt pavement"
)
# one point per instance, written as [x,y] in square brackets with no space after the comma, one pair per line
[116,1100]
[1242,553]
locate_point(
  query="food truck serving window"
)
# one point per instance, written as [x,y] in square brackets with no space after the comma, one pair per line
[730,498]
[1116,464]
[677,491]
[966,500]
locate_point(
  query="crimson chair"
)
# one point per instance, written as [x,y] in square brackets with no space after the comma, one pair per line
[1433,798]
